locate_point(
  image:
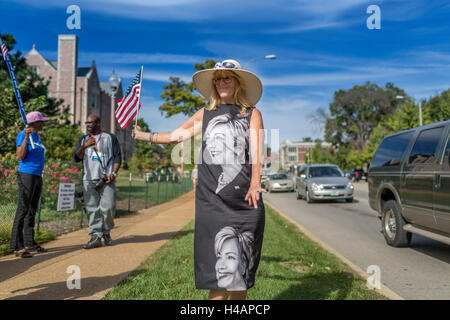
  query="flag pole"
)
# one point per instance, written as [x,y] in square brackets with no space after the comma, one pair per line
[139,96]
[16,87]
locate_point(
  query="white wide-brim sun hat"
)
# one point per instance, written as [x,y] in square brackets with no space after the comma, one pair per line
[253,86]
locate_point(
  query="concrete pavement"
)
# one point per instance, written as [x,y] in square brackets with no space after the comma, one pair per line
[46,275]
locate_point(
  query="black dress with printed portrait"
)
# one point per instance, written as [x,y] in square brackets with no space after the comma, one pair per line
[228,232]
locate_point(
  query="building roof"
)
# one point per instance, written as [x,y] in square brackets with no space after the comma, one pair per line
[82,72]
[303,144]
[53,63]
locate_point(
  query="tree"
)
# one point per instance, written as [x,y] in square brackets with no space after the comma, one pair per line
[321,155]
[34,93]
[148,157]
[405,117]
[355,112]
[180,96]
[438,106]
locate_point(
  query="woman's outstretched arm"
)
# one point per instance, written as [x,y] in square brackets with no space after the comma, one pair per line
[188,129]
[257,157]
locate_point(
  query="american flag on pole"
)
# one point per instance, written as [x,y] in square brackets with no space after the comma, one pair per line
[4,50]
[130,104]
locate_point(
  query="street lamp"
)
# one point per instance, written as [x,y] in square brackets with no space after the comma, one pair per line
[269,56]
[114,83]
[420,108]
[114,86]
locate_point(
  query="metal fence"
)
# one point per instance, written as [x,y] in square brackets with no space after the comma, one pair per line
[135,191]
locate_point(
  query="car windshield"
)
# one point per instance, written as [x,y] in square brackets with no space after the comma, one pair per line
[266,172]
[278,176]
[315,172]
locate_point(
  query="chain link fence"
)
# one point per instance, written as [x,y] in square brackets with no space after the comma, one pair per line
[140,190]
[135,191]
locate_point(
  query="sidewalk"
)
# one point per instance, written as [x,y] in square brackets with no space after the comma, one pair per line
[134,238]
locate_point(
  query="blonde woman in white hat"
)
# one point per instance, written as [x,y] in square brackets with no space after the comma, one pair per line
[228,192]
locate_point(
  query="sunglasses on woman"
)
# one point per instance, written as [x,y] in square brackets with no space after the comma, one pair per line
[226,64]
[225,79]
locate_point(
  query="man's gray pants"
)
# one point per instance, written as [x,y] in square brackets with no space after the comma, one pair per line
[100,207]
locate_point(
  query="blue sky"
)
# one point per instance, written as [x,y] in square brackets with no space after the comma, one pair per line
[321,46]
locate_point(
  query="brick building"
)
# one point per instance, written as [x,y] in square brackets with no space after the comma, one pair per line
[81,90]
[295,153]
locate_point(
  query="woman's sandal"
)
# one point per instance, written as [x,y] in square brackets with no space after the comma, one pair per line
[37,248]
[23,254]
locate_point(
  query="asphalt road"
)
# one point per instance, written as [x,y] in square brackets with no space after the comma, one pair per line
[421,271]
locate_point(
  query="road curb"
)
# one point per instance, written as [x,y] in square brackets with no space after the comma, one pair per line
[384,290]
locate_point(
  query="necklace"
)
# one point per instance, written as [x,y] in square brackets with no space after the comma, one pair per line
[222,180]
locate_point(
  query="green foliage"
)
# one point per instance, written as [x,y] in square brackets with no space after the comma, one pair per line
[439,107]
[149,157]
[60,141]
[180,97]
[321,155]
[354,159]
[355,112]
[405,117]
[34,93]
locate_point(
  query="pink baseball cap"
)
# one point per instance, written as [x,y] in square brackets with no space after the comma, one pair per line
[34,116]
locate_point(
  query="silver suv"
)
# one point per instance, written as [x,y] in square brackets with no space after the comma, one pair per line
[409,184]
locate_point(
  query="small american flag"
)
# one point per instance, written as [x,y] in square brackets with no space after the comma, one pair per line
[4,49]
[130,104]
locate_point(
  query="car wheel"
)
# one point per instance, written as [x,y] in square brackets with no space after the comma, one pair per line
[349,200]
[392,224]
[308,197]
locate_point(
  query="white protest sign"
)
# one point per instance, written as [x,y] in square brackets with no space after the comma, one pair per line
[66,196]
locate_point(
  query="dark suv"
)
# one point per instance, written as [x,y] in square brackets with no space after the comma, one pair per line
[409,184]
[356,174]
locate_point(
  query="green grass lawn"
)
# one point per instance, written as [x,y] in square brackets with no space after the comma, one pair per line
[155,192]
[292,267]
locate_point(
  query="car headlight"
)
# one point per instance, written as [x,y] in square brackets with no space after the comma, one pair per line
[316,187]
[276,185]
[350,185]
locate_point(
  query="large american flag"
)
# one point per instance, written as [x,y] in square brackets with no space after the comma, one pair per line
[4,49]
[130,104]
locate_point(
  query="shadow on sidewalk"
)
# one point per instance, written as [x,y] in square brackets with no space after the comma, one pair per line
[11,268]
[59,290]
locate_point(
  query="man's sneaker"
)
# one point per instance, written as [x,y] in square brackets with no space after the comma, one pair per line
[95,242]
[107,239]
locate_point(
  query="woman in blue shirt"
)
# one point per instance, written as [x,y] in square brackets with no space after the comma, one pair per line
[29,179]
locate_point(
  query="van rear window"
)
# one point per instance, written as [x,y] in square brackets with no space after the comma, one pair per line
[425,148]
[391,150]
